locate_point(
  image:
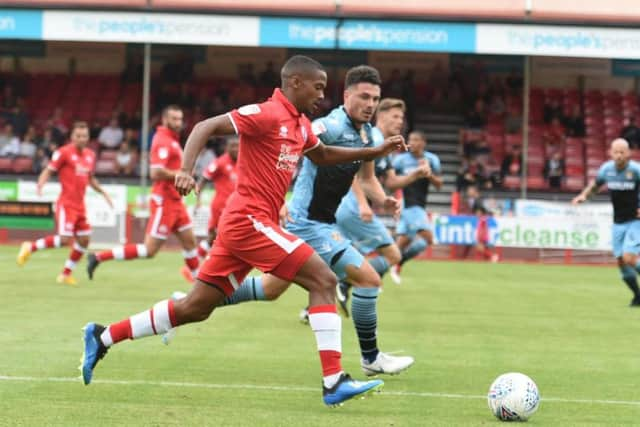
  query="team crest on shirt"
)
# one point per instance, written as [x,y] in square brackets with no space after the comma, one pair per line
[318,128]
[629,175]
[283,131]
[248,110]
[336,236]
[364,136]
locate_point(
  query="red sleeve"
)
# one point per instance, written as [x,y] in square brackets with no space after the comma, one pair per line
[251,120]
[159,155]
[312,140]
[211,171]
[57,160]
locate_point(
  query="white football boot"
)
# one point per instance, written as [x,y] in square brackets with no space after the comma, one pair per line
[386,364]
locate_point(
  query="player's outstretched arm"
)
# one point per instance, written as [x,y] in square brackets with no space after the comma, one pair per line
[93,182]
[202,131]
[586,193]
[42,180]
[324,155]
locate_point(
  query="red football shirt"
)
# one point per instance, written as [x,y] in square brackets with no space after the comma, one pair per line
[165,153]
[74,168]
[273,136]
[222,172]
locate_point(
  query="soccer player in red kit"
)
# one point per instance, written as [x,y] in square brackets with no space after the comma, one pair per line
[74,164]
[273,136]
[168,211]
[222,173]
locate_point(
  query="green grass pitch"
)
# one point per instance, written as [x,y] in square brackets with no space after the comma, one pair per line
[569,328]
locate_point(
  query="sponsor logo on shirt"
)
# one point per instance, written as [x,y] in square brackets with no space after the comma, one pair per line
[287,160]
[618,185]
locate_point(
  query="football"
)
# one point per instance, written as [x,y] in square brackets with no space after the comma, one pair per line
[513,397]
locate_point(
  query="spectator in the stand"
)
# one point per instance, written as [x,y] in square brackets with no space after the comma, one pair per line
[513,121]
[497,106]
[554,135]
[554,170]
[631,132]
[512,162]
[514,82]
[574,123]
[393,86]
[471,173]
[19,117]
[28,144]
[133,70]
[94,130]
[40,160]
[186,98]
[111,136]
[9,100]
[243,93]
[269,77]
[124,160]
[553,109]
[477,118]
[59,123]
[132,138]
[9,142]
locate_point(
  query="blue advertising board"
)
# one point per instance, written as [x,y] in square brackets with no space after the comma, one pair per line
[20,24]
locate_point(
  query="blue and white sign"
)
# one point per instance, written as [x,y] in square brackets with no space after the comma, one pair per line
[461,230]
[20,24]
[140,27]
[367,35]
[553,40]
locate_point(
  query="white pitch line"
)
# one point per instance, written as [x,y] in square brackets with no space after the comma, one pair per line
[297,388]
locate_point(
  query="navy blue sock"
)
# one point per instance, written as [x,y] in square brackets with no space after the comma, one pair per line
[365,319]
[379,264]
[415,248]
[630,277]
[250,290]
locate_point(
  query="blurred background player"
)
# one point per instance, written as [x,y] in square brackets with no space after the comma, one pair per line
[316,195]
[222,173]
[355,215]
[413,232]
[168,212]
[273,136]
[622,178]
[74,164]
[475,205]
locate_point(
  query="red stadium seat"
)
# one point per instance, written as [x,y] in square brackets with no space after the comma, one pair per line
[511,182]
[105,167]
[22,165]
[574,183]
[108,155]
[536,182]
[5,164]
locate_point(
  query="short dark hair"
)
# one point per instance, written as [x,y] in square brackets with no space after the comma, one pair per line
[420,134]
[170,107]
[78,125]
[299,64]
[362,74]
[387,104]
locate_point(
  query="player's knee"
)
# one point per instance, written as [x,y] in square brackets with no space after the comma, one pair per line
[325,280]
[152,250]
[65,240]
[193,311]
[393,255]
[629,259]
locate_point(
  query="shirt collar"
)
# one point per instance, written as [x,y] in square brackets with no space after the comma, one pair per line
[166,131]
[279,97]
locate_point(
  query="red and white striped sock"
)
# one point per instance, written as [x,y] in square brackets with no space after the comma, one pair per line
[46,243]
[156,321]
[327,327]
[129,251]
[203,249]
[76,253]
[192,261]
